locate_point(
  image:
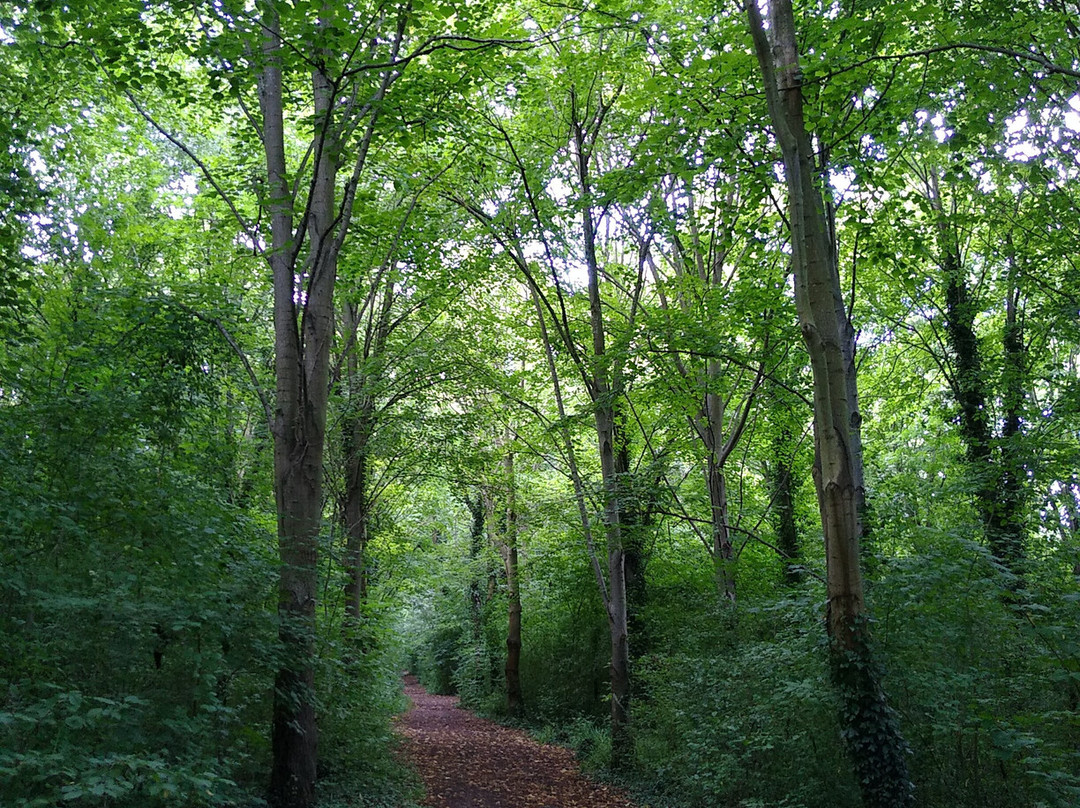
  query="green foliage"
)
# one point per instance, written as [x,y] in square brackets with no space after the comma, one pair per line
[446,655]
[135,635]
[359,690]
[871,727]
[985,688]
[137,628]
[743,716]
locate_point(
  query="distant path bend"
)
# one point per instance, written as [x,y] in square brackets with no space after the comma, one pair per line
[469,762]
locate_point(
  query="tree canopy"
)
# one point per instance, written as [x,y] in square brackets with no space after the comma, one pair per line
[695,384]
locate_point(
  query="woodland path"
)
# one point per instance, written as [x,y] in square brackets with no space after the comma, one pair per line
[469,762]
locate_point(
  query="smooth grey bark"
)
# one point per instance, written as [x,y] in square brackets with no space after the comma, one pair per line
[870,728]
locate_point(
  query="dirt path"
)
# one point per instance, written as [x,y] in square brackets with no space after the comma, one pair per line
[468,762]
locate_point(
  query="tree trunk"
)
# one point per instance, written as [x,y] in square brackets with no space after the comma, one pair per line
[477,671]
[514,703]
[967,382]
[998,492]
[302,365]
[635,520]
[869,726]
[709,423]
[299,428]
[603,398]
[356,511]
[358,428]
[723,551]
[1013,488]
[847,350]
[781,485]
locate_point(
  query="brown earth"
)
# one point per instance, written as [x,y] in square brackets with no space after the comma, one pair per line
[469,762]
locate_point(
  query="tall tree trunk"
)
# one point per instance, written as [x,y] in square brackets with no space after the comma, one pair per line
[998,496]
[847,350]
[478,510]
[781,486]
[515,705]
[1013,486]
[967,382]
[302,369]
[870,727]
[357,517]
[604,408]
[709,424]
[723,550]
[358,428]
[635,515]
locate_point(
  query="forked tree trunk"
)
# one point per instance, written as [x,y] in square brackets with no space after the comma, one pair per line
[605,418]
[604,408]
[711,424]
[303,282]
[870,728]
[302,368]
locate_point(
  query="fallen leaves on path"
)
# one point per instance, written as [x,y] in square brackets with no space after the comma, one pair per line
[469,762]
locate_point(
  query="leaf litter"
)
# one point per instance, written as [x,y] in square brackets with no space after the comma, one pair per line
[469,762]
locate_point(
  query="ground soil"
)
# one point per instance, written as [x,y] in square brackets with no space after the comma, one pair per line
[468,762]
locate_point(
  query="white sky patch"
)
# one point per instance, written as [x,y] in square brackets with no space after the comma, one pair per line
[1017,123]
[533,250]
[187,186]
[841,181]
[941,132]
[1072,117]
[245,241]
[573,273]
[576,274]
[37,164]
[558,190]
[1023,151]
[936,122]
